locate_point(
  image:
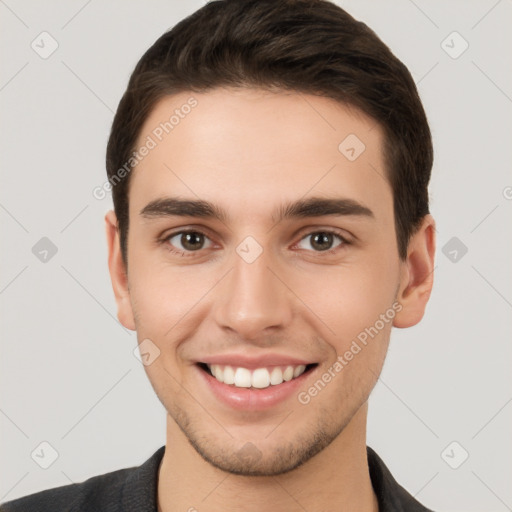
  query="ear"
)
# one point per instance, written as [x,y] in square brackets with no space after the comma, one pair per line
[417,275]
[118,274]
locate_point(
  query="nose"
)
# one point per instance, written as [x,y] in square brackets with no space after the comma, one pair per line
[253,300]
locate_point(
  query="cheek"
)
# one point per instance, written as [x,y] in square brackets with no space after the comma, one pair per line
[163,295]
[355,314]
[349,299]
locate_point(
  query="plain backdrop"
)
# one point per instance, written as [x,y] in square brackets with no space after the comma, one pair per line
[68,373]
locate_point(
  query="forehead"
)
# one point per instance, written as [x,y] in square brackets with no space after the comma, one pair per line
[247,149]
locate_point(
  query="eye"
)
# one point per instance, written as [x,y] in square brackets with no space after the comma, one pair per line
[186,241]
[322,240]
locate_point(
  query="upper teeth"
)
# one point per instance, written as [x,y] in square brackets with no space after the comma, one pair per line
[258,378]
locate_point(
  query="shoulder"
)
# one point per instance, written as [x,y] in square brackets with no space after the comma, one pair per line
[92,494]
[390,494]
[132,488]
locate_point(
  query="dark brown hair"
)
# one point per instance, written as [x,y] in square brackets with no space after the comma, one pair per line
[307,46]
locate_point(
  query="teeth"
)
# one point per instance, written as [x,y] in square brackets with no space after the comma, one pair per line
[242,378]
[229,375]
[299,370]
[288,373]
[259,378]
[276,377]
[217,372]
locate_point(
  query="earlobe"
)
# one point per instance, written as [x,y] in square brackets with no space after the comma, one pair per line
[417,275]
[118,273]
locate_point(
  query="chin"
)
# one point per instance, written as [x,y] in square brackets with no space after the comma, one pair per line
[264,457]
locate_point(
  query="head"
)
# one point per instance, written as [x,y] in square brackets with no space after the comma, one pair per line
[245,108]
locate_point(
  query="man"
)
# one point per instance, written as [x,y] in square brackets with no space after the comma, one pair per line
[269,165]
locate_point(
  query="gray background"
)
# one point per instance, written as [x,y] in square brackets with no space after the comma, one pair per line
[68,373]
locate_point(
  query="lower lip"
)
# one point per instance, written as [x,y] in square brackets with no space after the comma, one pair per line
[252,398]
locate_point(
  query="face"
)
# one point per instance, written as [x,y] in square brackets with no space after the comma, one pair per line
[261,253]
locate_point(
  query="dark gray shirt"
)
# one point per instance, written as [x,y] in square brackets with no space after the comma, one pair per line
[135,490]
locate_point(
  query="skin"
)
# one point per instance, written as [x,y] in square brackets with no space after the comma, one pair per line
[249,151]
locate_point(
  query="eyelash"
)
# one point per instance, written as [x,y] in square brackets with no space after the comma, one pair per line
[187,254]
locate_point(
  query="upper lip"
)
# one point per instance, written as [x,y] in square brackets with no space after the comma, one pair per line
[261,361]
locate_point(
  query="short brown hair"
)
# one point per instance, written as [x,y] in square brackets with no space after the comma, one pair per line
[307,46]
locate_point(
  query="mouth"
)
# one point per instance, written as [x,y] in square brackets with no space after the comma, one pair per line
[256,378]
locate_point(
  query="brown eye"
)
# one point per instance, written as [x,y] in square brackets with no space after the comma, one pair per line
[190,241]
[323,240]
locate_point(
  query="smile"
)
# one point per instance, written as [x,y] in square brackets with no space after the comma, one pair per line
[258,378]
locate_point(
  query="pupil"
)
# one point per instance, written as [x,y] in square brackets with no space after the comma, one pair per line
[191,240]
[322,238]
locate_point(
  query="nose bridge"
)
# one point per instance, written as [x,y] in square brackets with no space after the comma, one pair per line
[252,298]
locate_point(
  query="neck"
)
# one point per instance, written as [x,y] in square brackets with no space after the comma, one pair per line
[337,478]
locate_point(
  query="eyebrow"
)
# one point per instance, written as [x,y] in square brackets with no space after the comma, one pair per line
[303,208]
